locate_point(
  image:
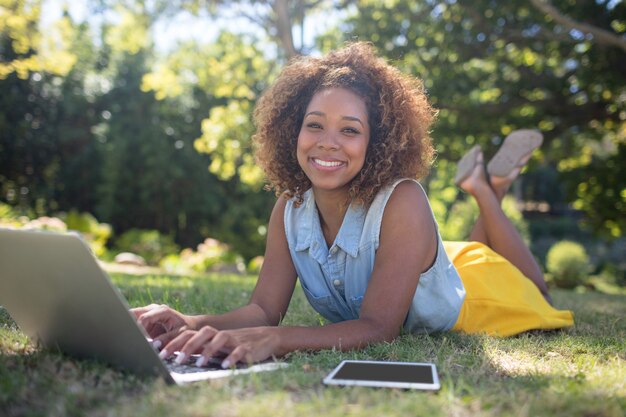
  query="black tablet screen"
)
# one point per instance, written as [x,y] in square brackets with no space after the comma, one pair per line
[421,374]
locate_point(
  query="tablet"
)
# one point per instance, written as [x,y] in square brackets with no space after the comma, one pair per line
[410,375]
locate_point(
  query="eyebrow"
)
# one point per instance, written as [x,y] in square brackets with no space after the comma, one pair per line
[319,113]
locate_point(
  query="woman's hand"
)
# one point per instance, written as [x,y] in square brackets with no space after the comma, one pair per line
[240,345]
[161,322]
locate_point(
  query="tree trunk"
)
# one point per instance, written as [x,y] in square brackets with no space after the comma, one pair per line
[283,25]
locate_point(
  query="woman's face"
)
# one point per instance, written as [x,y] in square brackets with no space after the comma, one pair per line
[333,139]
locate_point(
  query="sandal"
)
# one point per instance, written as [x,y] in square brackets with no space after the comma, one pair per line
[466,165]
[515,149]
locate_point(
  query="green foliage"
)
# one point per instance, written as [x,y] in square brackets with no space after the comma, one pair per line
[30,49]
[149,244]
[615,273]
[224,134]
[130,35]
[152,178]
[234,71]
[95,233]
[47,158]
[53,224]
[601,191]
[152,175]
[255,264]
[8,216]
[116,130]
[210,255]
[492,67]
[568,263]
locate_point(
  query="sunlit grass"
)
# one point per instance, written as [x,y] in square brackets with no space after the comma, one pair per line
[573,372]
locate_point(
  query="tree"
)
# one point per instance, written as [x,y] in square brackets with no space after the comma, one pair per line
[25,49]
[40,120]
[231,73]
[516,67]
[277,18]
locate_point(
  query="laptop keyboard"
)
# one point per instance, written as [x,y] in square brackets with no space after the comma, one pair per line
[189,366]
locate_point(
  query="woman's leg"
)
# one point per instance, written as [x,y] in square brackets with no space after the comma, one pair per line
[496,228]
[500,186]
[465,166]
[478,233]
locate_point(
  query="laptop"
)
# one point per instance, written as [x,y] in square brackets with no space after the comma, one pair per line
[53,287]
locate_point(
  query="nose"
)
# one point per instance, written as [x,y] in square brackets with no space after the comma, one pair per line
[328,141]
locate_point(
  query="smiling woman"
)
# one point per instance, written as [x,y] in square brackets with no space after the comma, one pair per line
[342,140]
[406,150]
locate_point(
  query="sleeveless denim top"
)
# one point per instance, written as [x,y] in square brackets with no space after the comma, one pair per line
[334,279]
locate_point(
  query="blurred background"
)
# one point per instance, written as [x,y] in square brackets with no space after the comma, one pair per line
[130,121]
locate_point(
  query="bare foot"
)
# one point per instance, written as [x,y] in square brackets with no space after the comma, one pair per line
[476,181]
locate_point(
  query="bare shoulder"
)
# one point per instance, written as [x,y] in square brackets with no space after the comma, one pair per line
[281,203]
[409,198]
[278,212]
[408,227]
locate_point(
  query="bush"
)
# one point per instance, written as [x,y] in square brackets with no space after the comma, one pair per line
[53,224]
[173,264]
[9,217]
[210,256]
[96,234]
[568,264]
[149,244]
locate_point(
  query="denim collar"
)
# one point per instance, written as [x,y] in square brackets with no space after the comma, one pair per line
[310,236]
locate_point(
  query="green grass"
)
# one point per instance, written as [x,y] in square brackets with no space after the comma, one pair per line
[574,372]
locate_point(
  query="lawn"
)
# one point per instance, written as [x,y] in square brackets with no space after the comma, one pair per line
[574,372]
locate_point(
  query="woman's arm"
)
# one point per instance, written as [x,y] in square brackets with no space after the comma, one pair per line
[408,246]
[267,305]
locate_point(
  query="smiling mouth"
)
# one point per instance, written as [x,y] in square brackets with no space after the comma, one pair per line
[327,164]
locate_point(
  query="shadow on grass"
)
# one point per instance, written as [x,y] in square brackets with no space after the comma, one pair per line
[49,383]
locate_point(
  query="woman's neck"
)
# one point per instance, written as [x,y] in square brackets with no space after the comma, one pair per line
[332,208]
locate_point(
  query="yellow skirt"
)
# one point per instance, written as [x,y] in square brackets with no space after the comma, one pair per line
[500,300]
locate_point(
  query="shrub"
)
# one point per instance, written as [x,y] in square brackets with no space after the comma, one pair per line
[211,255]
[173,264]
[9,217]
[96,234]
[53,224]
[568,263]
[149,244]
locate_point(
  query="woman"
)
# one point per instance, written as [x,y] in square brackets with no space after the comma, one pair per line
[342,139]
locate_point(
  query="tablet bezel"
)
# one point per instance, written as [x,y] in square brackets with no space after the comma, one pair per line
[330,380]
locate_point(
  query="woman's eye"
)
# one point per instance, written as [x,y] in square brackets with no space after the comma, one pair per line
[314,125]
[351,130]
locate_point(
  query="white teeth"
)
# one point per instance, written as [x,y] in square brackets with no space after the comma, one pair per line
[327,163]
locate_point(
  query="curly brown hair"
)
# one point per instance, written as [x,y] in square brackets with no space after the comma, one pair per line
[398,112]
